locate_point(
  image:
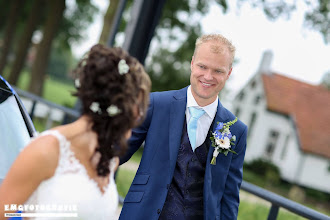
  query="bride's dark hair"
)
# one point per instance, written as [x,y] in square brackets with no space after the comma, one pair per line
[101,82]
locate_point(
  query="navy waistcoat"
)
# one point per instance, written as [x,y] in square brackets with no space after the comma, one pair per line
[185,195]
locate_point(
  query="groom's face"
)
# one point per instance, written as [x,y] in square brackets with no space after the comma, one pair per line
[210,69]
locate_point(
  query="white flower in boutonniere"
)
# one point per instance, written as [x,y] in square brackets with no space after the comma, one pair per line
[222,139]
[123,68]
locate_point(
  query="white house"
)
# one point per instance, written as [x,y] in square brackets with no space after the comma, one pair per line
[289,124]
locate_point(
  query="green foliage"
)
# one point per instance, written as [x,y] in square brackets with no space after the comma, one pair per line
[169,65]
[326,83]
[60,64]
[261,166]
[317,15]
[317,195]
[318,18]
[77,18]
[265,169]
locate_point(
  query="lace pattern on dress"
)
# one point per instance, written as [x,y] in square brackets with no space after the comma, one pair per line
[67,162]
[72,185]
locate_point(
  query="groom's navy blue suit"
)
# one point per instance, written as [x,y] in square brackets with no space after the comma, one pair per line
[162,132]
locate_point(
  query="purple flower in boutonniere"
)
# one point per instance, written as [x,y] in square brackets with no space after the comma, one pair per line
[222,139]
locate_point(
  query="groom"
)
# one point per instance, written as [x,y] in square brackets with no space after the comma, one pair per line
[175,179]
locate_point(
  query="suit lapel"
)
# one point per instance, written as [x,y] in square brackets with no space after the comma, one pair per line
[177,117]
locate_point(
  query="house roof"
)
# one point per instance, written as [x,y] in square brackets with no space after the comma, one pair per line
[309,105]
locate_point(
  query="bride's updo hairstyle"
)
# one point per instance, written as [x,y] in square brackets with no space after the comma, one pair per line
[112,87]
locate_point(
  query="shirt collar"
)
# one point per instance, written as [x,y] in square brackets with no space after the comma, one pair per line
[210,109]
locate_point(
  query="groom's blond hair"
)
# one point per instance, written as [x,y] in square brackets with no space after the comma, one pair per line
[219,39]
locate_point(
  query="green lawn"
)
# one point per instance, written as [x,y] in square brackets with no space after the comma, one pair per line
[54,90]
[124,179]
[252,211]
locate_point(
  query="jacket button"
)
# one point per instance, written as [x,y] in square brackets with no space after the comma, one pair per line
[158,211]
[189,175]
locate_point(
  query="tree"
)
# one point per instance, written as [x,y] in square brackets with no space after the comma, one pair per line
[9,32]
[317,16]
[326,80]
[60,63]
[3,13]
[74,23]
[167,66]
[65,30]
[25,41]
[56,9]
[108,20]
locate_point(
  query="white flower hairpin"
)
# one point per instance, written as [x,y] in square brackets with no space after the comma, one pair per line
[77,83]
[113,110]
[123,68]
[95,107]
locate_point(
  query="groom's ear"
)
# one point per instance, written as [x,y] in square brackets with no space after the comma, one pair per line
[192,63]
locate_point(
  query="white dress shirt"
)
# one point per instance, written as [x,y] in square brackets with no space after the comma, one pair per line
[205,121]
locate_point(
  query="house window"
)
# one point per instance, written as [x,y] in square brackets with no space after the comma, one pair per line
[241,96]
[285,147]
[257,99]
[271,144]
[253,84]
[252,122]
[237,112]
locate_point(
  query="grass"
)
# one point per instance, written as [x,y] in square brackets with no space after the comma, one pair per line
[54,90]
[253,211]
[136,158]
[124,179]
[283,189]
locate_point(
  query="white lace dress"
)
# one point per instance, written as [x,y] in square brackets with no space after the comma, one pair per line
[72,189]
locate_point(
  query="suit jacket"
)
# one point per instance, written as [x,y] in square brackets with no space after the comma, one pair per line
[162,131]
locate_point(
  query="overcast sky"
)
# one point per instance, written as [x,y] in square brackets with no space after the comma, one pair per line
[297,52]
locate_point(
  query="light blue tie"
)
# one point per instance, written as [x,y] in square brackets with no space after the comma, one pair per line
[195,114]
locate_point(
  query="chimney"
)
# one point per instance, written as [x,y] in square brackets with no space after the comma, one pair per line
[266,61]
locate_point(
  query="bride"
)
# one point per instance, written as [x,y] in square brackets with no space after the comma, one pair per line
[69,170]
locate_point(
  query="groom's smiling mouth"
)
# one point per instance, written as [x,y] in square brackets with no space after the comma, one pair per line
[207,85]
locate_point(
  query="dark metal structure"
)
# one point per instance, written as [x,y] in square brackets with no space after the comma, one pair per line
[116,22]
[145,15]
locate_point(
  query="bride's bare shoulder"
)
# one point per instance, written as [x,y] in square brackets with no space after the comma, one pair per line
[44,150]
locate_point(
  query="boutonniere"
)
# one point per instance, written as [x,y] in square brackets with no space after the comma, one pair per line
[222,139]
